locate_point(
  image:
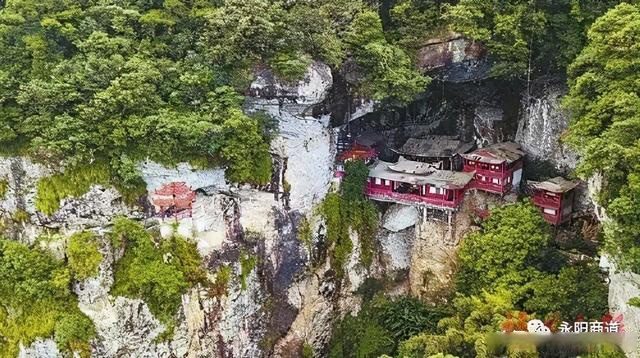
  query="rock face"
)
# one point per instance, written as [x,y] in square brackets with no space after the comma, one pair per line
[399,217]
[542,123]
[41,348]
[486,123]
[96,208]
[622,287]
[305,143]
[454,59]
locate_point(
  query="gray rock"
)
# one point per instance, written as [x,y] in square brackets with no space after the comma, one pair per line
[41,348]
[96,208]
[622,287]
[399,217]
[542,123]
[486,123]
[396,247]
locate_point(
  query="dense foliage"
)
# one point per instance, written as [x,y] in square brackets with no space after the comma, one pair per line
[605,103]
[511,264]
[156,270]
[83,255]
[526,37]
[350,210]
[381,325]
[86,80]
[36,301]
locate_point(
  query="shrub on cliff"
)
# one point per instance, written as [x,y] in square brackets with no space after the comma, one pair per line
[36,301]
[83,255]
[155,270]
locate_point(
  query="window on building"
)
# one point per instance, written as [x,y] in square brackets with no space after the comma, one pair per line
[378,181]
[549,211]
[432,189]
[495,181]
[387,182]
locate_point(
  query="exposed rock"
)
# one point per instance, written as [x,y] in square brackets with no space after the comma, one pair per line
[622,287]
[297,98]
[458,59]
[399,217]
[22,176]
[397,248]
[304,141]
[156,175]
[594,187]
[41,348]
[433,255]
[542,123]
[96,208]
[487,131]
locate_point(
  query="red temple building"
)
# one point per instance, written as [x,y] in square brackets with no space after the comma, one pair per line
[416,183]
[554,197]
[358,151]
[497,168]
[174,199]
[443,151]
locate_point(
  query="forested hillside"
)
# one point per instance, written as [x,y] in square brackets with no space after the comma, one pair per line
[103,102]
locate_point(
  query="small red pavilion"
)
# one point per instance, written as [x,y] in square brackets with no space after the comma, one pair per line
[554,197]
[497,168]
[416,183]
[358,151]
[174,199]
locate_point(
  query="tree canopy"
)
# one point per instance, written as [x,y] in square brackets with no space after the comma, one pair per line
[604,102]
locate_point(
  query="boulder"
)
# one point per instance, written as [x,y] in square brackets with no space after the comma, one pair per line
[396,247]
[399,217]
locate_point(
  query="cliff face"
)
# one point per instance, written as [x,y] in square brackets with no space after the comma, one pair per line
[542,123]
[287,302]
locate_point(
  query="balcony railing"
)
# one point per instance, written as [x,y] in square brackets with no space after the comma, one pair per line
[406,198]
[486,172]
[490,187]
[547,202]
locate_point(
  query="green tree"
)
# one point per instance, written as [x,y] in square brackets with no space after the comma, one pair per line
[389,71]
[506,252]
[83,255]
[380,325]
[526,38]
[36,301]
[464,333]
[604,102]
[575,290]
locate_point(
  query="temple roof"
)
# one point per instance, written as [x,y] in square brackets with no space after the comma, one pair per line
[419,174]
[497,153]
[410,167]
[554,185]
[434,146]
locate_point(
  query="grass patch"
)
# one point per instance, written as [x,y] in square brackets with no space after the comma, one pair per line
[4,186]
[76,181]
[248,262]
